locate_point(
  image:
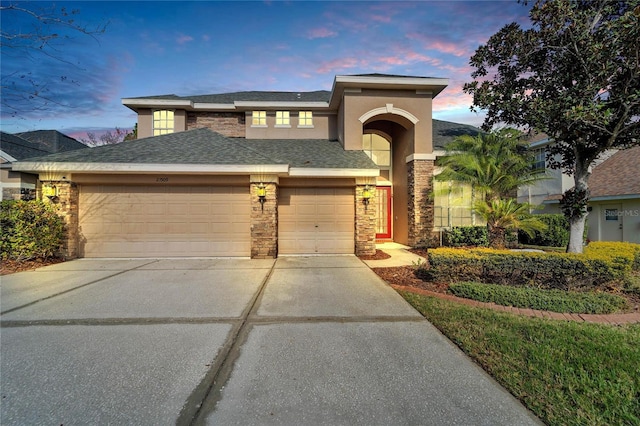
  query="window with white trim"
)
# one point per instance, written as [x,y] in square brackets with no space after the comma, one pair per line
[259,118]
[377,148]
[163,122]
[282,119]
[305,119]
[540,159]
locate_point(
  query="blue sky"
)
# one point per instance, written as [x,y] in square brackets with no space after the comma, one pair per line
[203,47]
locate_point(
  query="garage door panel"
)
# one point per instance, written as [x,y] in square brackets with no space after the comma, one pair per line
[316,220]
[152,221]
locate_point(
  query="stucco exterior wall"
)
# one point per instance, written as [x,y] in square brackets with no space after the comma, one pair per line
[324,127]
[418,105]
[629,220]
[12,183]
[145,123]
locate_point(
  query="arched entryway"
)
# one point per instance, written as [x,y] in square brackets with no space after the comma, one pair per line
[388,138]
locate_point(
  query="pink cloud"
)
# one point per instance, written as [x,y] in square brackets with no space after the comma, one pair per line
[431,43]
[320,33]
[339,64]
[182,39]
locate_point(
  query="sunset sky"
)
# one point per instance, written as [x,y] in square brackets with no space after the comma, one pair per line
[204,47]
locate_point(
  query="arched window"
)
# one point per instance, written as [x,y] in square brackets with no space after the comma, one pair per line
[377,148]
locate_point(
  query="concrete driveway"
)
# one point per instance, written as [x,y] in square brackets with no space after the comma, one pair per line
[300,340]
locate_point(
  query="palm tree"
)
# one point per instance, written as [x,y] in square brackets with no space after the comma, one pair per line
[494,164]
[504,215]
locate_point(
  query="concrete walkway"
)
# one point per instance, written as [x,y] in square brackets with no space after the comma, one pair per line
[300,340]
[401,256]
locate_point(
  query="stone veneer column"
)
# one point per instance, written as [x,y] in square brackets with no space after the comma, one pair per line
[66,205]
[421,211]
[264,219]
[365,225]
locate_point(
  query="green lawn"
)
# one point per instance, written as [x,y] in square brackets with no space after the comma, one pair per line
[567,373]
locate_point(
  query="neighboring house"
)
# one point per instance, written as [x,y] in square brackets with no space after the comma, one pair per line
[614,204]
[21,146]
[259,174]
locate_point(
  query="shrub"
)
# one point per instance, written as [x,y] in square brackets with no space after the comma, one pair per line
[599,268]
[464,236]
[548,300]
[556,234]
[30,230]
[623,252]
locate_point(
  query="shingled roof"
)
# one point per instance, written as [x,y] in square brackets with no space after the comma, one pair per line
[51,141]
[204,146]
[446,131]
[618,175]
[230,98]
[18,148]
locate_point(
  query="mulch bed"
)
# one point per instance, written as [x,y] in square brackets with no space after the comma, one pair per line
[380,255]
[404,276]
[13,266]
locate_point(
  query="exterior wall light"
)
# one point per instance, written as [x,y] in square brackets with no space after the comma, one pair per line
[262,195]
[50,191]
[366,196]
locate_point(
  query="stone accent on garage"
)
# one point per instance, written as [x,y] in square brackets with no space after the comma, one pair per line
[66,205]
[421,211]
[365,224]
[264,219]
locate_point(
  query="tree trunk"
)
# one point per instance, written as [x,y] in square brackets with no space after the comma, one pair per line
[497,237]
[577,221]
[576,232]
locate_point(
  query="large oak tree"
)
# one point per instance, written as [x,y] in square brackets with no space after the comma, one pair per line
[574,74]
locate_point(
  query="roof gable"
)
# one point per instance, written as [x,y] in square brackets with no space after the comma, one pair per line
[618,175]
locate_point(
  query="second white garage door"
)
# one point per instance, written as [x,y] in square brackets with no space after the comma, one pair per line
[164,221]
[316,221]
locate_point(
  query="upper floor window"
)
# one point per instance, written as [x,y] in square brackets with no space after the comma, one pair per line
[377,148]
[540,156]
[282,118]
[162,122]
[259,118]
[305,119]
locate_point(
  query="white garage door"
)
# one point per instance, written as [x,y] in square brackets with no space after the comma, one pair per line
[158,221]
[316,220]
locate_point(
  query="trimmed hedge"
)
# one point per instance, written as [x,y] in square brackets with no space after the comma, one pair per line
[556,234]
[600,267]
[465,236]
[30,230]
[547,300]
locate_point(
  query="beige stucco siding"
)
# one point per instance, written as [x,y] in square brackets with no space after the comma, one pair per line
[419,106]
[324,127]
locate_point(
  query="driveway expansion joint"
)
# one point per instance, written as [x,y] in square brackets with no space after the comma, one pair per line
[204,397]
[118,321]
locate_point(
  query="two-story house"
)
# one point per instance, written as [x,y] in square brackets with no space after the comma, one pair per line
[614,185]
[258,173]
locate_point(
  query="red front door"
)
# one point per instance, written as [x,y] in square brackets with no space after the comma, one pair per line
[383,212]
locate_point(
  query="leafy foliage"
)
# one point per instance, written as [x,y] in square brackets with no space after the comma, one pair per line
[547,300]
[556,234]
[465,236]
[574,75]
[30,230]
[506,215]
[494,164]
[599,268]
